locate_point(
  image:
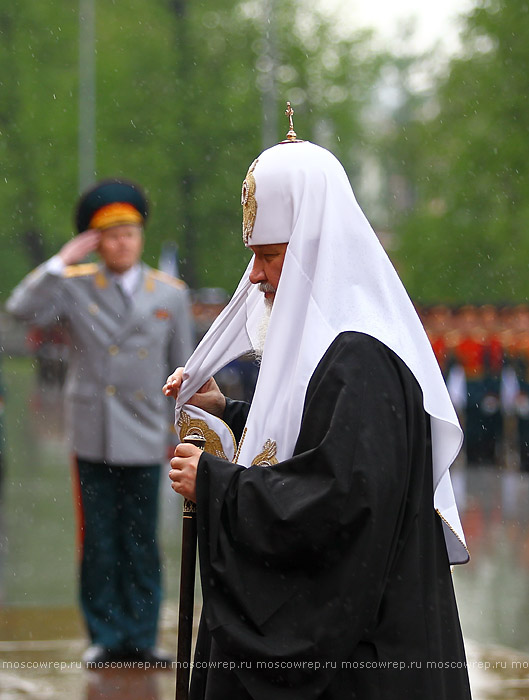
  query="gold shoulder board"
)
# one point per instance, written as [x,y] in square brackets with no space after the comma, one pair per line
[168,279]
[80,270]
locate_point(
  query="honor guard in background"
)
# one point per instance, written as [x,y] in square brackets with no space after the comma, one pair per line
[479,354]
[519,362]
[493,420]
[128,325]
[437,324]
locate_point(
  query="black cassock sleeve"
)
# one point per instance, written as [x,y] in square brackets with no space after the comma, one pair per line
[317,560]
[235,415]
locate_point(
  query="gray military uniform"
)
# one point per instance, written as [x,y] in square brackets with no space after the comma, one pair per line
[122,350]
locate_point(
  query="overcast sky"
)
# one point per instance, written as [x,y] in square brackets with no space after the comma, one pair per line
[435,20]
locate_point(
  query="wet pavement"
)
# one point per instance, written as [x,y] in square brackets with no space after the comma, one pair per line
[40,658]
[41,633]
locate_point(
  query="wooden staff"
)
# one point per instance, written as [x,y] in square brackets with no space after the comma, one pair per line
[187,587]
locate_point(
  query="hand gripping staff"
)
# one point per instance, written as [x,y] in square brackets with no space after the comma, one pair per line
[187,587]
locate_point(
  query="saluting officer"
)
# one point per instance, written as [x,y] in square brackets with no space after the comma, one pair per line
[128,324]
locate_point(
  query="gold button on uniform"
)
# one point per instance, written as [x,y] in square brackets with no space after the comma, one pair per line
[142,353]
[111,390]
[113,349]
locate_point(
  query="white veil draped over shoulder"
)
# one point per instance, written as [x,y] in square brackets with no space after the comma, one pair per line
[336,277]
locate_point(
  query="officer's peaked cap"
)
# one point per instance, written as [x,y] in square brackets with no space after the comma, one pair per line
[112,191]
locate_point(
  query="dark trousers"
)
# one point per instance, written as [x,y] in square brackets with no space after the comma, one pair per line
[120,565]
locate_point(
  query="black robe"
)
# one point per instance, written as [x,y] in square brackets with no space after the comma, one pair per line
[326,576]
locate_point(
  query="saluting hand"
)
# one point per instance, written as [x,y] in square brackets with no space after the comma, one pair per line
[80,246]
[183,473]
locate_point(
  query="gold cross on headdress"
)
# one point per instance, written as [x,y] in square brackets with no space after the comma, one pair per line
[291,136]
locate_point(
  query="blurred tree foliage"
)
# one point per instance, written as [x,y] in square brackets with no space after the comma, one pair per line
[458,166]
[181,92]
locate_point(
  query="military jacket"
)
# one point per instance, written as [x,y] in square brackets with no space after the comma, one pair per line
[121,351]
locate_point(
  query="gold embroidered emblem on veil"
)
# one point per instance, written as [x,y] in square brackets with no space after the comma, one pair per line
[267,457]
[249,204]
[193,426]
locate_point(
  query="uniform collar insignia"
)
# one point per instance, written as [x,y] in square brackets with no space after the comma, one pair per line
[100,279]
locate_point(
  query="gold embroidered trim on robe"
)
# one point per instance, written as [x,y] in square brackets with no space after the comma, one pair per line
[445,521]
[267,457]
[193,426]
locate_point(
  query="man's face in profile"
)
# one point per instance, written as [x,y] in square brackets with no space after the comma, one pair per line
[267,267]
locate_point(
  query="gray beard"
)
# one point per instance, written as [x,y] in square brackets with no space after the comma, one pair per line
[262,331]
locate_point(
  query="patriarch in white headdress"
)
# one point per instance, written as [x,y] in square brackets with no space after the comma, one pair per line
[335,277]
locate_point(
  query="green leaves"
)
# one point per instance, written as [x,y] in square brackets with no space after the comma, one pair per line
[465,239]
[182,89]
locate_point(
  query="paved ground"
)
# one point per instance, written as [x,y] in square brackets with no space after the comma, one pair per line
[40,659]
[41,649]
